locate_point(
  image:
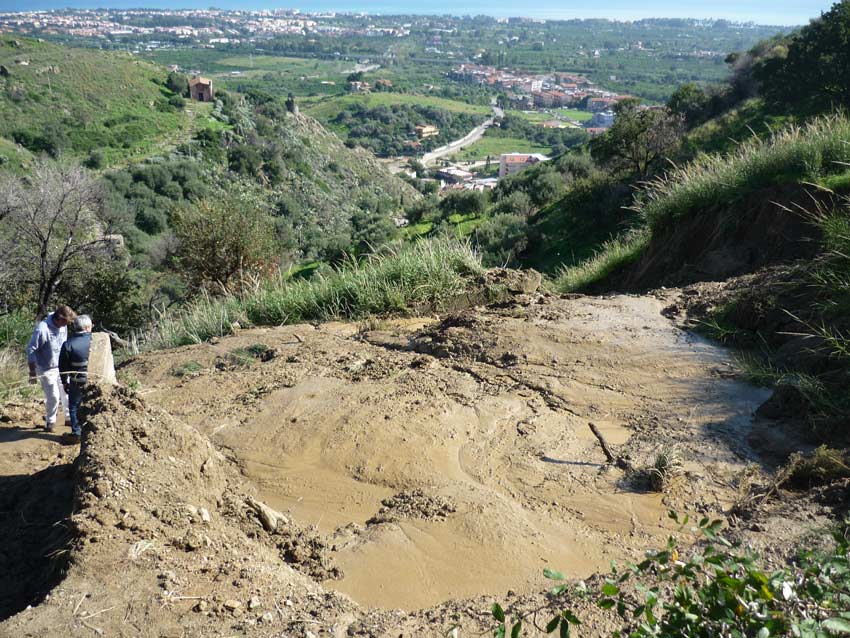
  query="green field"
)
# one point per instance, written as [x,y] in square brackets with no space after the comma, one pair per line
[532,116]
[327,108]
[574,114]
[495,146]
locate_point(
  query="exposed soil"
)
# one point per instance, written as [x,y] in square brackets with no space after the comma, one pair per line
[391,479]
[718,244]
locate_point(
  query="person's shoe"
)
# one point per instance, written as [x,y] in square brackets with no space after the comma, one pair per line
[50,427]
[69,438]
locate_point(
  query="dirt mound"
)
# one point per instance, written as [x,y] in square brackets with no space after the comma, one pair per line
[413,504]
[486,411]
[163,524]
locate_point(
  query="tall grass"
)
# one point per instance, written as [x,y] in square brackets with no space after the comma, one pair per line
[16,328]
[14,383]
[795,154]
[424,274]
[614,254]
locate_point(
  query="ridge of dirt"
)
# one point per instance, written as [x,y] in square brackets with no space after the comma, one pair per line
[431,464]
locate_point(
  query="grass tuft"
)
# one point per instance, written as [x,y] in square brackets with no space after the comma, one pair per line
[666,470]
[614,254]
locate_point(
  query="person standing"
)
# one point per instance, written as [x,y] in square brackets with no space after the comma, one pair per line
[43,360]
[73,366]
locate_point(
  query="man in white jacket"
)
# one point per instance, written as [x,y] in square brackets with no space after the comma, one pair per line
[43,359]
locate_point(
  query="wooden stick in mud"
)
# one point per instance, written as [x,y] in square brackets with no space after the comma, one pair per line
[608,454]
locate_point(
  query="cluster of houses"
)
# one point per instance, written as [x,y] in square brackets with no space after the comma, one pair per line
[221,26]
[557,90]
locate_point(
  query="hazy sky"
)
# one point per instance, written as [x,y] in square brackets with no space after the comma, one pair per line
[780,12]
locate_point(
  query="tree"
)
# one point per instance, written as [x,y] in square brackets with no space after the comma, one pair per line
[465,202]
[224,242]
[55,222]
[177,83]
[816,68]
[639,140]
[689,101]
[501,238]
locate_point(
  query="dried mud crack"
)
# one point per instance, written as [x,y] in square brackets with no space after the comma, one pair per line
[387,480]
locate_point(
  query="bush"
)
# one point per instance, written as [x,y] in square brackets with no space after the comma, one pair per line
[224,242]
[96,159]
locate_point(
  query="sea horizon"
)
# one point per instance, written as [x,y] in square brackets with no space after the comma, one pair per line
[760,12]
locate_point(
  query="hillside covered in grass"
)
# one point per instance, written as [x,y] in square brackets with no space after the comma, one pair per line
[62,100]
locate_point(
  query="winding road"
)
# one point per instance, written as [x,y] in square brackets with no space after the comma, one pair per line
[470,138]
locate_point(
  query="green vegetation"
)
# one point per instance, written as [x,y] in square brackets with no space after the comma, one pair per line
[326,109]
[709,588]
[612,256]
[492,147]
[720,182]
[558,140]
[67,100]
[390,130]
[794,154]
[187,369]
[574,114]
[422,275]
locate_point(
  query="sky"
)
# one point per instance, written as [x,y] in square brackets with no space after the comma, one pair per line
[774,12]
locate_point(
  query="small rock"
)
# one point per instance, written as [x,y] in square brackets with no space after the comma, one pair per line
[231,604]
[267,617]
[253,603]
[288,603]
[202,605]
[205,515]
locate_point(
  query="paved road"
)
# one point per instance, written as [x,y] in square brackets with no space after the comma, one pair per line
[470,138]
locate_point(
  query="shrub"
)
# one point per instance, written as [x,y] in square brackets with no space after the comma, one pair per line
[708,589]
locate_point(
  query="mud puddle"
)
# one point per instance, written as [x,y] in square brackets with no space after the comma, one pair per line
[454,459]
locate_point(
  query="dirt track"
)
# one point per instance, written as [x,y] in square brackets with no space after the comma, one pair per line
[436,459]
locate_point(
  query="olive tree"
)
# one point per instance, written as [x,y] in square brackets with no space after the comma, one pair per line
[53,222]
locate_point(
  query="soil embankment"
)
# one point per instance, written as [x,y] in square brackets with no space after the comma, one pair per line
[411,463]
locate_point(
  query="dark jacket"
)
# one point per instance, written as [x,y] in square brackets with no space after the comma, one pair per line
[74,358]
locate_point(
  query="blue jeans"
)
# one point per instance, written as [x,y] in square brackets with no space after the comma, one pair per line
[75,396]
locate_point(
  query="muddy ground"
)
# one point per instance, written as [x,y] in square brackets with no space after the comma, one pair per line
[390,478]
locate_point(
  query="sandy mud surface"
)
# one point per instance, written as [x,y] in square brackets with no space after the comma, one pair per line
[485,413]
[390,478]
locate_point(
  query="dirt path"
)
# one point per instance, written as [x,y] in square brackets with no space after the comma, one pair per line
[476,429]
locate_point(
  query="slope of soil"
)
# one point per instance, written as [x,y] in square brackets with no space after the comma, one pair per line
[412,463]
[715,245]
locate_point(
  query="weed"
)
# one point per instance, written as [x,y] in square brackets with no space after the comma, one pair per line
[186,369]
[240,357]
[13,376]
[794,154]
[666,470]
[614,254]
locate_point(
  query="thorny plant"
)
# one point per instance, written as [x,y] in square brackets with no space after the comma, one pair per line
[713,589]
